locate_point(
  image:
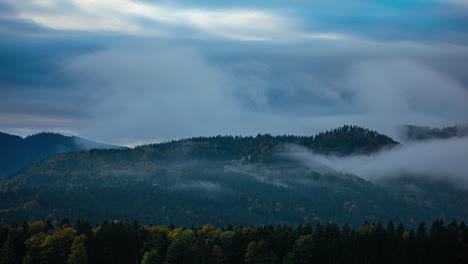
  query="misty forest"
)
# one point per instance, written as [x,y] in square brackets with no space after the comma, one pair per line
[230,132]
[278,199]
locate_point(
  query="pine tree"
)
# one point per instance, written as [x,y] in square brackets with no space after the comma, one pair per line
[48,226]
[258,253]
[217,255]
[302,252]
[7,252]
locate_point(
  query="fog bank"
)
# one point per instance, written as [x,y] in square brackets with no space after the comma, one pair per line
[439,159]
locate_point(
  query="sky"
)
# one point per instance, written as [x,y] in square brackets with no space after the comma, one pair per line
[130,72]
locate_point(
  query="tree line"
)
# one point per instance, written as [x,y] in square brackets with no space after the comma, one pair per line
[126,242]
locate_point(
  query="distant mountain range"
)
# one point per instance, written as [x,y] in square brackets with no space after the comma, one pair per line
[224,180]
[17,152]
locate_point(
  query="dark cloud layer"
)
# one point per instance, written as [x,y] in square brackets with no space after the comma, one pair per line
[321,64]
[158,91]
[6,9]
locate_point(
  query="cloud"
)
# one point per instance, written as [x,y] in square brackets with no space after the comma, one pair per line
[141,71]
[445,160]
[43,122]
[6,9]
[153,91]
[406,90]
[21,27]
[145,90]
[205,186]
[438,20]
[253,171]
[138,18]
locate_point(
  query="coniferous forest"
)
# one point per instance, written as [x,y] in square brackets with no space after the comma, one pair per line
[126,242]
[227,180]
[265,204]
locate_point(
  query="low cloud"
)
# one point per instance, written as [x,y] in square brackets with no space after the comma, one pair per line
[156,91]
[445,160]
[253,171]
[206,186]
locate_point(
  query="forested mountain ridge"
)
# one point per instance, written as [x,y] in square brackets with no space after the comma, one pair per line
[219,180]
[344,140]
[116,166]
[17,152]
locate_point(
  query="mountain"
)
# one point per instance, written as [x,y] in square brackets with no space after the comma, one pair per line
[422,133]
[17,152]
[130,165]
[223,180]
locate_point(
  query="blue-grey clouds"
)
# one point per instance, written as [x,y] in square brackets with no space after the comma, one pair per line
[256,20]
[159,91]
[130,72]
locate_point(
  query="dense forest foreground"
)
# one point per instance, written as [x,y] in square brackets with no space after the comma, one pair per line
[126,242]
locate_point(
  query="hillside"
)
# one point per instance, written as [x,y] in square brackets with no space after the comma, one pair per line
[17,152]
[220,180]
[117,167]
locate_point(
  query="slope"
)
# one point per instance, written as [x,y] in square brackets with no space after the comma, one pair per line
[16,152]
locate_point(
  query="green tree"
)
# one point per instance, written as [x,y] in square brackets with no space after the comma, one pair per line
[181,249]
[258,253]
[7,252]
[56,246]
[155,237]
[217,255]
[152,257]
[79,254]
[302,252]
[33,246]
[48,226]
